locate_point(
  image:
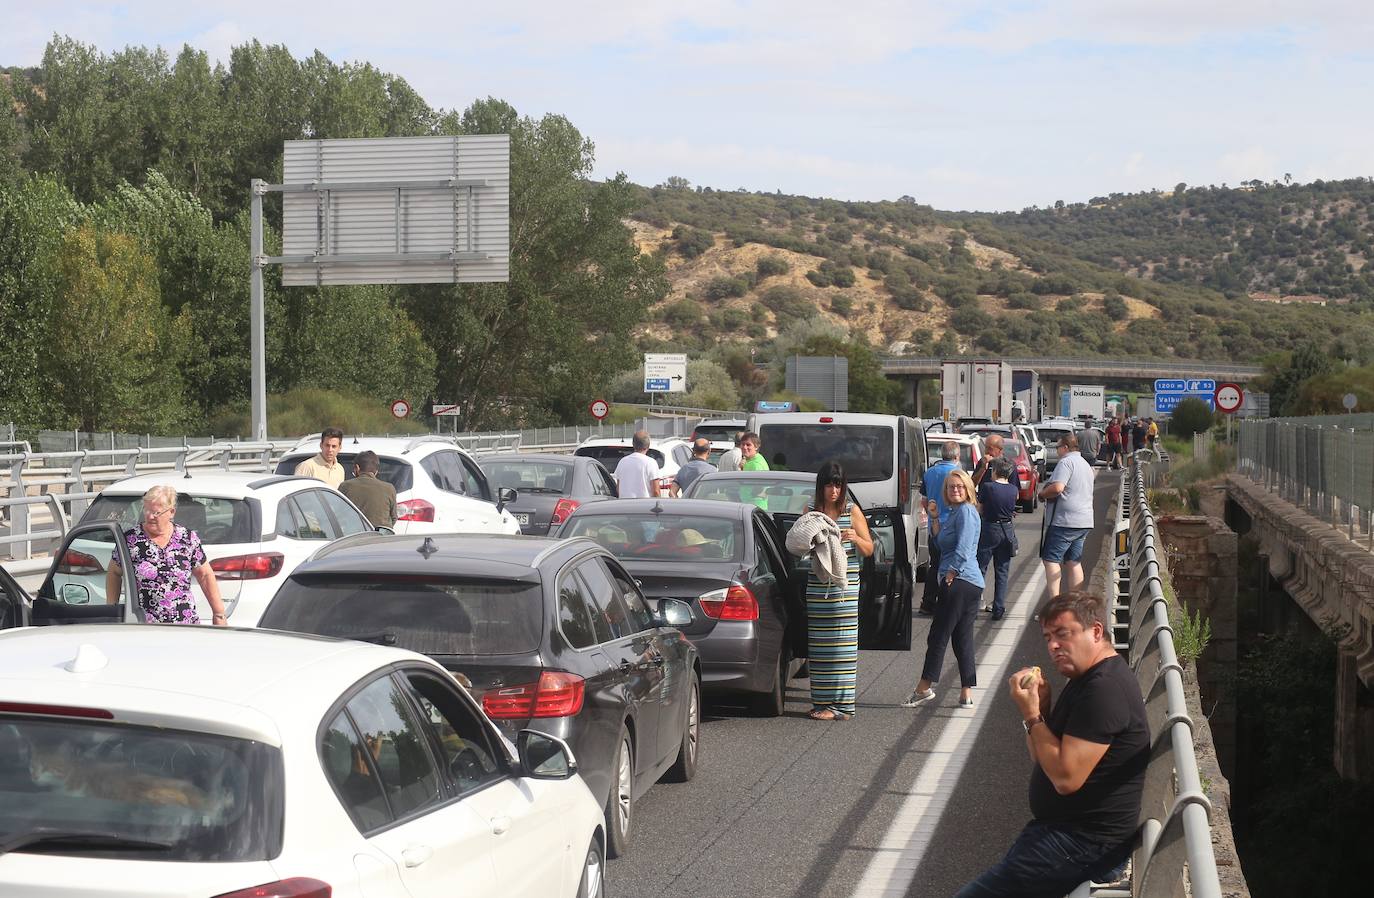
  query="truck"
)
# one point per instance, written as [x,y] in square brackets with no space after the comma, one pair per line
[1028,400]
[1087,401]
[978,389]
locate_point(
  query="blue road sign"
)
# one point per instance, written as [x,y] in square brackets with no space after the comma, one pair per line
[1202,386]
[1171,386]
[657,384]
[1165,403]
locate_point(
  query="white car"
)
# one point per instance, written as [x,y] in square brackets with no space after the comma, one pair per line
[196,761]
[255,529]
[670,454]
[439,487]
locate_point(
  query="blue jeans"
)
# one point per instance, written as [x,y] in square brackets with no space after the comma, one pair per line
[1047,861]
[994,546]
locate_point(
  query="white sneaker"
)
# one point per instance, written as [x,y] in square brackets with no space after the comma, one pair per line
[917,698]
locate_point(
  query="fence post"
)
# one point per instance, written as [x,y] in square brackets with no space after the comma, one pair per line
[19,514]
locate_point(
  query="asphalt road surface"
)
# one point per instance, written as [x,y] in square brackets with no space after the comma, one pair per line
[897,801]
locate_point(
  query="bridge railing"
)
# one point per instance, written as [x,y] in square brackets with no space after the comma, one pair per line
[1106,367]
[1175,813]
[1323,465]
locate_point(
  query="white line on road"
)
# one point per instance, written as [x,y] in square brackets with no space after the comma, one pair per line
[896,860]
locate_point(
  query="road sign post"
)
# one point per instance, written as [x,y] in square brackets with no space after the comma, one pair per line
[400,408]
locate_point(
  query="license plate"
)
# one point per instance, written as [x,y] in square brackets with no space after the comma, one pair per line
[521,517]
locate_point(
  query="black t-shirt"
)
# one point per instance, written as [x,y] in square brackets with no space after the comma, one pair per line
[997,500]
[1102,706]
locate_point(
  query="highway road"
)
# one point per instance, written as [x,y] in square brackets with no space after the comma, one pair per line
[897,801]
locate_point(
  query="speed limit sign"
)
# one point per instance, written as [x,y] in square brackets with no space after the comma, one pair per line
[600,408]
[1228,397]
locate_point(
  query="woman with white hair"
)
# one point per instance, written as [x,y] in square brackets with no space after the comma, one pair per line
[165,556]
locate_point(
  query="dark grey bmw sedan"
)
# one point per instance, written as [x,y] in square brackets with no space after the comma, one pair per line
[545,634]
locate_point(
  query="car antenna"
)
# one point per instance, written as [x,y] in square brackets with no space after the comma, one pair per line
[427,548]
[658,507]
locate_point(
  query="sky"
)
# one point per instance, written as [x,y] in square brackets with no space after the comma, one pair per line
[963,105]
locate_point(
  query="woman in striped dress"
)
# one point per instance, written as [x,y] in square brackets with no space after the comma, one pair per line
[832,611]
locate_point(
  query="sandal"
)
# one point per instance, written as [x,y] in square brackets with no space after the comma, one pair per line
[828,714]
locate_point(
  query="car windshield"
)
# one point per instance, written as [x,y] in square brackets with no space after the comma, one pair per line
[662,537]
[1014,450]
[423,613]
[933,449]
[216,521]
[610,456]
[531,476]
[722,433]
[1050,436]
[865,450]
[94,788]
[770,495]
[393,470]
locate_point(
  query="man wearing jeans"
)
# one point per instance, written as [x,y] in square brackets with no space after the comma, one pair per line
[1069,519]
[1090,749]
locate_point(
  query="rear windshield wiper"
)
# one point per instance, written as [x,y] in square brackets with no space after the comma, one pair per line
[60,838]
[536,489]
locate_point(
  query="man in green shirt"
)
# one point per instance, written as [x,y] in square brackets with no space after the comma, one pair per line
[749,449]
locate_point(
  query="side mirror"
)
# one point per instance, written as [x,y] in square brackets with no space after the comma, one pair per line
[75,594]
[674,613]
[505,496]
[544,757]
[385,530]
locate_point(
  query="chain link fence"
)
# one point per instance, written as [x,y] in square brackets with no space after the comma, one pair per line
[1322,464]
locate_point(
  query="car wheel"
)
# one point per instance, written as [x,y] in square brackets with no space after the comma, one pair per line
[620,801]
[685,767]
[771,703]
[593,884]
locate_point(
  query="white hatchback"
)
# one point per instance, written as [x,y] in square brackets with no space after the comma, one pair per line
[175,761]
[670,454]
[439,487]
[255,529]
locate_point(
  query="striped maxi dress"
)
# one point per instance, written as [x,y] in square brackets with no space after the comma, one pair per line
[833,633]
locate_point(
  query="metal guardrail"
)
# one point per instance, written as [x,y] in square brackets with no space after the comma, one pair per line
[1175,814]
[1324,465]
[1104,367]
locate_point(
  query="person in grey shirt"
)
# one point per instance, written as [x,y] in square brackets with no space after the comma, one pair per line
[1068,520]
[1089,443]
[689,472]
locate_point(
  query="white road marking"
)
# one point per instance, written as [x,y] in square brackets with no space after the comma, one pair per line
[896,859]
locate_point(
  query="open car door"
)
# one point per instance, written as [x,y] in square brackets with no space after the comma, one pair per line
[14,603]
[74,591]
[881,599]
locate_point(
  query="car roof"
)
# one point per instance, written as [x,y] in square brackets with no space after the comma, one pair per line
[496,556]
[966,439]
[797,476]
[710,508]
[220,484]
[533,456]
[723,422]
[654,442]
[764,418]
[236,682]
[390,446]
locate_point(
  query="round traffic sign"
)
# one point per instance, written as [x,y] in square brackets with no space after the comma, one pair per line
[1350,400]
[400,408]
[1228,397]
[600,408]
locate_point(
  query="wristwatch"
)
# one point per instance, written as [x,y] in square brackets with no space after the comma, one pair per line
[1027,724]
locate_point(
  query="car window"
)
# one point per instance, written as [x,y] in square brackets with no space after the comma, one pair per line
[11,605]
[574,617]
[395,471]
[661,537]
[607,482]
[681,455]
[353,777]
[629,593]
[438,472]
[215,520]
[395,749]
[769,556]
[605,602]
[465,746]
[312,518]
[347,518]
[474,481]
[554,477]
[867,451]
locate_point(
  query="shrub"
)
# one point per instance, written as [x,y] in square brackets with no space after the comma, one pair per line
[683,313]
[692,242]
[724,287]
[1024,300]
[970,320]
[842,305]
[772,266]
[1114,306]
[787,302]
[1191,416]
[734,319]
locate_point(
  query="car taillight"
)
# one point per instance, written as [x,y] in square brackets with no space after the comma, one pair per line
[561,509]
[734,603]
[297,887]
[415,510]
[258,566]
[74,562]
[557,694]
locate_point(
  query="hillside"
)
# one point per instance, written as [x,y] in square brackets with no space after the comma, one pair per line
[1109,278]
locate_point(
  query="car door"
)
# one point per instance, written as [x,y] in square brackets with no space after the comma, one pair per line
[771,580]
[75,589]
[345,515]
[378,755]
[14,603]
[637,661]
[530,850]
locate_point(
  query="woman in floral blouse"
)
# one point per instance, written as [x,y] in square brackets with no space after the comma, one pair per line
[165,557]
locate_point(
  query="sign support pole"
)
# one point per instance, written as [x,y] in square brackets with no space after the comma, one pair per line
[257,326]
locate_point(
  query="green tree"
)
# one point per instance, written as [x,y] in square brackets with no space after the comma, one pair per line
[115,354]
[1190,416]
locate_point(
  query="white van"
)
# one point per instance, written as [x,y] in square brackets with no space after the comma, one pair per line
[883,457]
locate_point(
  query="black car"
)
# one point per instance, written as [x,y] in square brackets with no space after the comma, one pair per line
[728,561]
[786,496]
[548,487]
[550,635]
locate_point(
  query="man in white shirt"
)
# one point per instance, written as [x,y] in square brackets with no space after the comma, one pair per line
[731,459]
[637,473]
[1070,519]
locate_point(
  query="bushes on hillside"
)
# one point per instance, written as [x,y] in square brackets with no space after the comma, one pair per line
[724,288]
[787,302]
[772,266]
[692,242]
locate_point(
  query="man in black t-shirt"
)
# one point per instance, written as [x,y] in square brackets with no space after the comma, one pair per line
[1090,751]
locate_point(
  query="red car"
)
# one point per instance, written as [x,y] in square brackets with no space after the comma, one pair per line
[1027,479]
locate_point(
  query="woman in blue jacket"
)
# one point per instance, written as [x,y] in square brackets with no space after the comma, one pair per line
[961,590]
